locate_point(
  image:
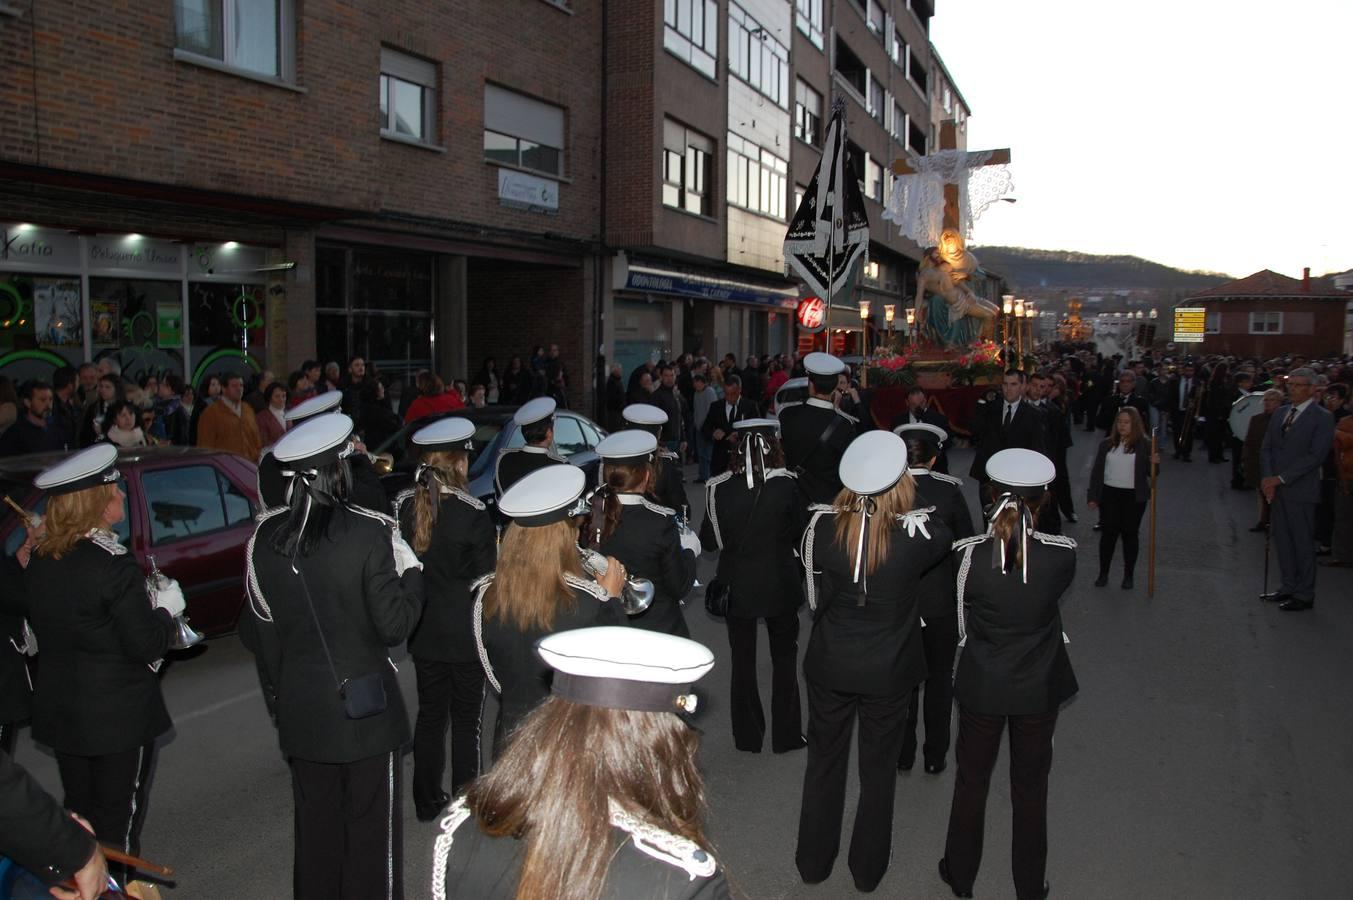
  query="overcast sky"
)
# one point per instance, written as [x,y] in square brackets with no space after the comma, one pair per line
[1204,134]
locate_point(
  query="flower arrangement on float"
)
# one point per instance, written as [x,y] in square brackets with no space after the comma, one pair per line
[906,365]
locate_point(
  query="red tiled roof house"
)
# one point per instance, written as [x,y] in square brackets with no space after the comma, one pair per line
[1267,315]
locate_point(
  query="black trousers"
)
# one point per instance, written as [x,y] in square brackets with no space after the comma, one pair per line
[349,842]
[831,721]
[1215,436]
[1120,515]
[939,637]
[1061,488]
[448,694]
[9,736]
[749,720]
[110,791]
[1237,463]
[1183,443]
[979,740]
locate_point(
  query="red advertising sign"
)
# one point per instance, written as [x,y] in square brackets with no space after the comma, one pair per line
[812,314]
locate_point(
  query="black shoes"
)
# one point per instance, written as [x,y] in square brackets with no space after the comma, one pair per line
[1102,580]
[905,763]
[1292,604]
[796,745]
[932,768]
[1259,528]
[1127,582]
[944,876]
[1275,597]
[1071,517]
[1099,526]
[427,812]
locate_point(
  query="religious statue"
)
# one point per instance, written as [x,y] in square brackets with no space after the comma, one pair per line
[947,310]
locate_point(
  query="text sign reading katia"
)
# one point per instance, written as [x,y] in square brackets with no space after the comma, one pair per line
[1190,324]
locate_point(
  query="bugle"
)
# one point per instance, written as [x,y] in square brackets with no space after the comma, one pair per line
[637,593]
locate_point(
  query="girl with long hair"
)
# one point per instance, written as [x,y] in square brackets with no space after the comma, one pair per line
[754,516]
[538,587]
[330,588]
[640,533]
[864,556]
[453,535]
[1120,486]
[600,796]
[108,391]
[1013,671]
[97,700]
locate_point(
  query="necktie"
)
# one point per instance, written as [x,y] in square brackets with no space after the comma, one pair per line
[1291,417]
[1005,422]
[729,415]
[1184,392]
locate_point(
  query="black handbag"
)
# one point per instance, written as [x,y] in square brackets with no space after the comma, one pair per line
[362,696]
[719,595]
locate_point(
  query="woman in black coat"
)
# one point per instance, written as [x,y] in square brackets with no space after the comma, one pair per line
[1120,486]
[865,654]
[454,537]
[1013,670]
[754,516]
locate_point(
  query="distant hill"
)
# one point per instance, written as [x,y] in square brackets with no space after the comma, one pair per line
[1065,270]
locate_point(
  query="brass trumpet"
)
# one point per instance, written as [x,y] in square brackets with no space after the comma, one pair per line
[637,594]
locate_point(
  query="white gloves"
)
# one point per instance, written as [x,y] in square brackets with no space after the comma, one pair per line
[169,598]
[690,541]
[405,558]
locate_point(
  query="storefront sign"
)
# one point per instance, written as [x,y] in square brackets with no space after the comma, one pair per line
[653,280]
[812,314]
[1190,324]
[522,191]
[30,247]
[135,254]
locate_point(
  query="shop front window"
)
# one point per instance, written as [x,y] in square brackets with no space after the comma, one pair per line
[41,325]
[139,323]
[376,304]
[226,325]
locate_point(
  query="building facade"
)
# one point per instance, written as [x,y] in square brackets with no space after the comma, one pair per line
[211,184]
[1268,315]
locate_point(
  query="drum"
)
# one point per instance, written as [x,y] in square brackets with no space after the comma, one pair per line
[1242,411]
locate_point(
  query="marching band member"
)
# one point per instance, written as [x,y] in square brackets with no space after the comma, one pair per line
[754,515]
[535,418]
[601,797]
[1013,670]
[668,484]
[539,587]
[97,700]
[366,489]
[454,537]
[331,586]
[815,433]
[641,534]
[864,557]
[939,632]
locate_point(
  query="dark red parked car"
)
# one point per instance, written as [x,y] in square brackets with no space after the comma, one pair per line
[192,510]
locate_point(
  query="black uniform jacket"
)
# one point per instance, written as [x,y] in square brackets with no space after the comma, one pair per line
[363,607]
[929,417]
[648,863]
[670,490]
[509,657]
[1014,660]
[875,648]
[366,483]
[520,461]
[944,493]
[464,547]
[719,420]
[1025,430]
[16,690]
[757,561]
[35,831]
[1110,407]
[646,542]
[95,692]
[801,430]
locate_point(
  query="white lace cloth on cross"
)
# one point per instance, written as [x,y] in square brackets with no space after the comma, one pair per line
[916,204]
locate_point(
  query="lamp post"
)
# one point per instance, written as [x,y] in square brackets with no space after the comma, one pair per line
[864,340]
[1019,332]
[1007,310]
[889,313]
[911,326]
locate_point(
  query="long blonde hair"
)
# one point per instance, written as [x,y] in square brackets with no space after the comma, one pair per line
[448,468]
[528,583]
[69,517]
[1007,524]
[887,507]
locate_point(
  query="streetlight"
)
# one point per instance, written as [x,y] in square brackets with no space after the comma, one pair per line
[911,325]
[864,338]
[889,313]
[1007,309]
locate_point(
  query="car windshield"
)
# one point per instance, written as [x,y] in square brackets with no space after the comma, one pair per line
[21,493]
[485,433]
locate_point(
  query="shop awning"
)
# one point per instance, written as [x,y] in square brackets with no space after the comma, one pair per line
[654,278]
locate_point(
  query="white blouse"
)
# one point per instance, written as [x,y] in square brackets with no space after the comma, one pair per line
[1120,468]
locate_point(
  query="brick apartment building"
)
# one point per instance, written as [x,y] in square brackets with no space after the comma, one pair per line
[1267,314]
[193,187]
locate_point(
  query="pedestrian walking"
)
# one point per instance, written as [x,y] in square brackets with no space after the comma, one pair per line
[717,429]
[601,796]
[1120,487]
[331,586]
[453,535]
[1013,672]
[754,517]
[864,557]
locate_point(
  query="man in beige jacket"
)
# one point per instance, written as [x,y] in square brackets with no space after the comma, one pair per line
[229,424]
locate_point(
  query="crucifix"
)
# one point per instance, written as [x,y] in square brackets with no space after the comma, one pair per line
[934,201]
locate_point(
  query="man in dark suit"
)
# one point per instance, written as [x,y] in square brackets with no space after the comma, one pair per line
[1180,397]
[1295,445]
[1011,422]
[1125,395]
[718,428]
[1056,440]
[918,412]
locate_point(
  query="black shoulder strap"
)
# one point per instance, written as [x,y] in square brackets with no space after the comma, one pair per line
[822,440]
[305,589]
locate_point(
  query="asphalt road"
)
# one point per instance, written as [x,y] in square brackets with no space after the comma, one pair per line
[1209,753]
